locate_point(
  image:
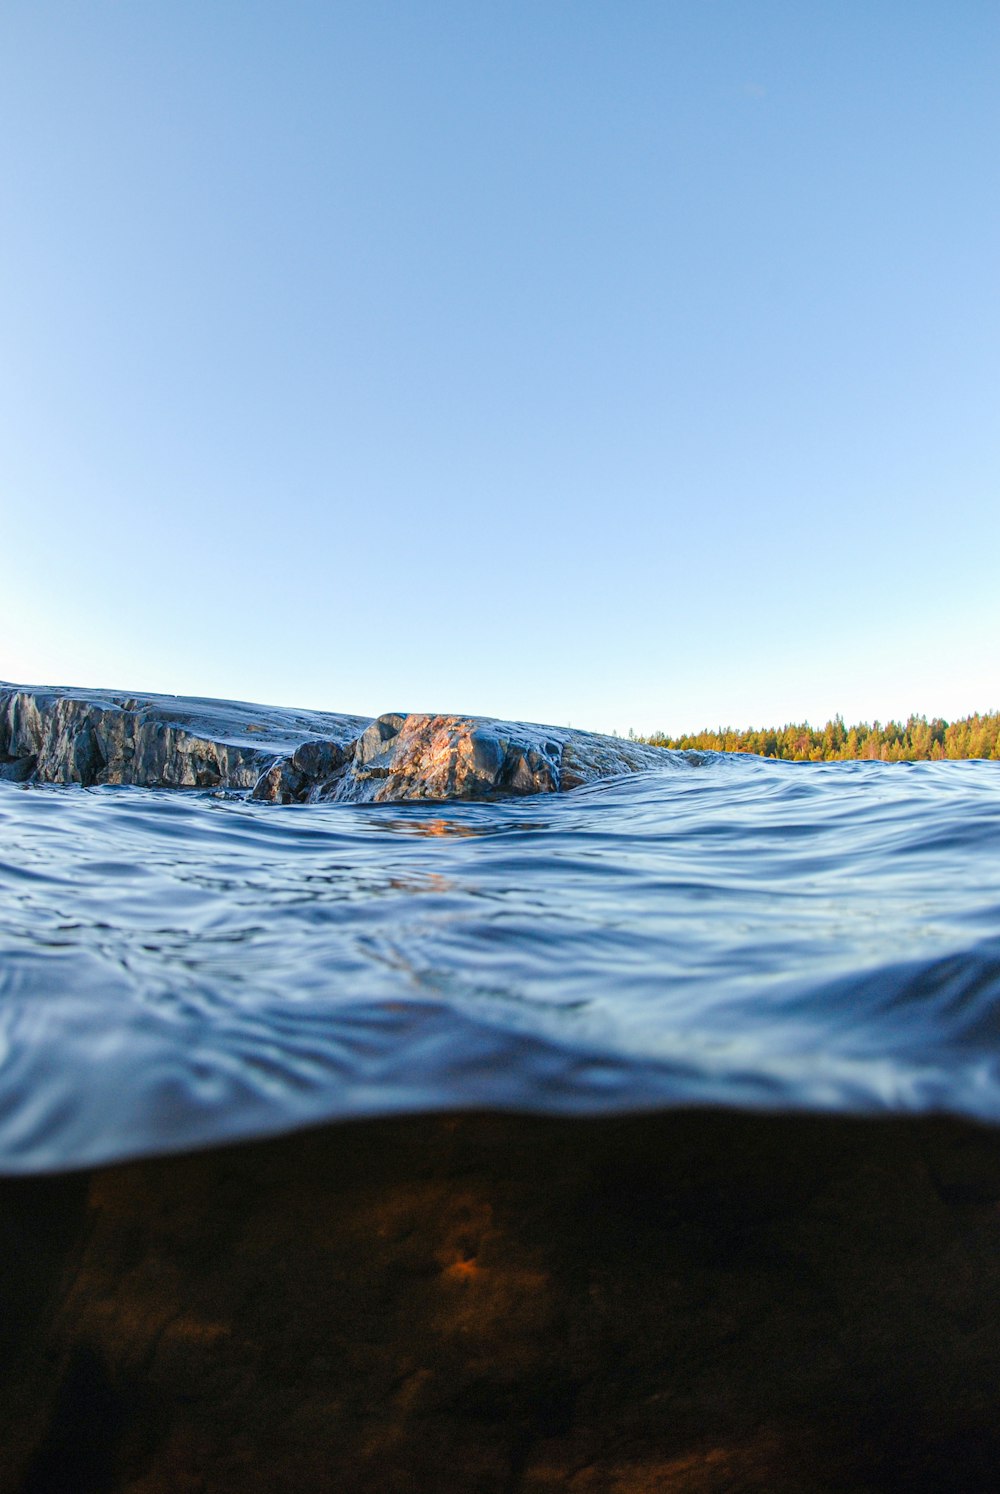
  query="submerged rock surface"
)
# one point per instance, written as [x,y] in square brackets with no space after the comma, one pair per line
[692,1303]
[285,756]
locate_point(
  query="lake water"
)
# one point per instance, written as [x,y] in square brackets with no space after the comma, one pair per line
[177,969]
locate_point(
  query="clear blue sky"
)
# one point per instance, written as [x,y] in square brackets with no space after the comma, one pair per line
[629,363]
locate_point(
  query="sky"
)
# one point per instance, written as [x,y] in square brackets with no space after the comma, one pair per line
[631,364]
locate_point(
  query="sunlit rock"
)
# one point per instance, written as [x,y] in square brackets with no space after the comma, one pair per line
[399,757]
[285,757]
[451,757]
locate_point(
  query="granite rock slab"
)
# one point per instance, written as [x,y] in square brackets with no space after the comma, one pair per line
[95,737]
[280,755]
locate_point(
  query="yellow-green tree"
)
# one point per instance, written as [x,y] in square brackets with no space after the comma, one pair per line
[915,740]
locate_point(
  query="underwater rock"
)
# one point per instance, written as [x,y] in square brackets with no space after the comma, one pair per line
[699,1302]
[285,756]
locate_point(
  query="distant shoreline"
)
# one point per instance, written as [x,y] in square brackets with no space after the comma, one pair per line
[915,740]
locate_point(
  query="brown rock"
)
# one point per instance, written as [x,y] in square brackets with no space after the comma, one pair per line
[689,1302]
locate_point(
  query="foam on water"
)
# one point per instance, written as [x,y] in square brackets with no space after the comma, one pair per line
[178,969]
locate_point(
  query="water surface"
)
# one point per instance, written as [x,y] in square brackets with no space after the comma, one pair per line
[177,969]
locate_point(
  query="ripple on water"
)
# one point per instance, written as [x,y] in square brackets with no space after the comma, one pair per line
[177,969]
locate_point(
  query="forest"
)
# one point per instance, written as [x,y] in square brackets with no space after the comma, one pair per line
[915,740]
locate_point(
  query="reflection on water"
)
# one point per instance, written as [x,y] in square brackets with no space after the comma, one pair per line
[417,824]
[176,968]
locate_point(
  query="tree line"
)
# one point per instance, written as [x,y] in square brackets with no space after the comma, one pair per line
[915,740]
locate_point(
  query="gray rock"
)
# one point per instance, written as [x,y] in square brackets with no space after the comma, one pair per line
[159,741]
[286,756]
[292,780]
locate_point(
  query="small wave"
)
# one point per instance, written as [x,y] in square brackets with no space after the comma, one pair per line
[178,969]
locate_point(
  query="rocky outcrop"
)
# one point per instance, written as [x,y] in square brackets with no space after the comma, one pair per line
[402,757]
[284,756]
[158,741]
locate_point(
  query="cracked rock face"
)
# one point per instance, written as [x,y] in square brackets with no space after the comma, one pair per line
[285,756]
[157,741]
[400,758]
[451,757]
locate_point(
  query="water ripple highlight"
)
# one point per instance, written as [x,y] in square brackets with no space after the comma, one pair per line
[178,969]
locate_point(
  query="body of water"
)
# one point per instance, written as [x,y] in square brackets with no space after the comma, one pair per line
[178,969]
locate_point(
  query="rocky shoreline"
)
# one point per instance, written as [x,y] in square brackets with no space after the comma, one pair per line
[93,737]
